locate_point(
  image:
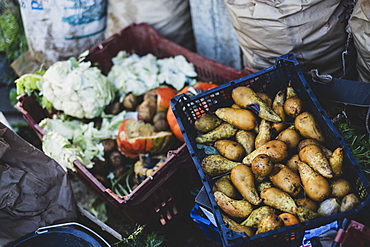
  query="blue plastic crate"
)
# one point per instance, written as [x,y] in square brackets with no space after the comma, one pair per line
[270,80]
[205,224]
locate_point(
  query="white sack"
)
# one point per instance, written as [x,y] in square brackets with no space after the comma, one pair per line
[59,29]
[171,18]
[359,24]
[313,30]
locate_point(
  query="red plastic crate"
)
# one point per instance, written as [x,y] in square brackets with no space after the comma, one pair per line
[165,195]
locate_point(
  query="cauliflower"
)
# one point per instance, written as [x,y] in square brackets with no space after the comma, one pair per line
[77,89]
[137,75]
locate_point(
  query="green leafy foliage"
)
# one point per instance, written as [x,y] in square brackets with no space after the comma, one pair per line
[359,144]
[12,38]
[137,237]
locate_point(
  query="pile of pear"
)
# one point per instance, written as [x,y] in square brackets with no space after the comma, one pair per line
[271,161]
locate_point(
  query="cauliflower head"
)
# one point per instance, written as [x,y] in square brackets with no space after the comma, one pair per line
[77,89]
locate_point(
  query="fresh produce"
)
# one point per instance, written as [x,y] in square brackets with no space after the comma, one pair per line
[78,89]
[230,149]
[306,214]
[257,215]
[293,105]
[236,227]
[216,164]
[245,97]
[278,107]
[279,199]
[291,137]
[328,207]
[242,178]
[288,219]
[261,167]
[340,187]
[246,139]
[137,137]
[286,172]
[240,118]
[225,185]
[336,161]
[264,133]
[232,207]
[315,185]
[315,158]
[349,202]
[191,90]
[307,126]
[307,203]
[285,179]
[269,223]
[207,122]
[223,131]
[277,150]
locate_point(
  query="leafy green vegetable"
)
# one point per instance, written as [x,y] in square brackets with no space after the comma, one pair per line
[12,37]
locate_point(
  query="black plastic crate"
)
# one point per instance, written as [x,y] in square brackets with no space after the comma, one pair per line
[270,80]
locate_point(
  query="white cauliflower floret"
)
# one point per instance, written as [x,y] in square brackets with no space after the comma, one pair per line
[77,89]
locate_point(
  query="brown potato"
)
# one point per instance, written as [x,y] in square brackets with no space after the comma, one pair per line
[308,203]
[292,162]
[225,185]
[207,122]
[131,102]
[215,164]
[306,124]
[241,118]
[291,137]
[231,150]
[245,97]
[261,166]
[257,215]
[315,157]
[315,186]
[243,179]
[146,110]
[285,179]
[269,223]
[276,149]
[232,207]
[224,131]
[278,199]
[246,139]
[340,187]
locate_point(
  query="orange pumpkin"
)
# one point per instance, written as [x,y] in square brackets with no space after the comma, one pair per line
[137,137]
[164,95]
[195,89]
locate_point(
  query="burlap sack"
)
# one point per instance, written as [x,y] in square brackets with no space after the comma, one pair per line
[313,30]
